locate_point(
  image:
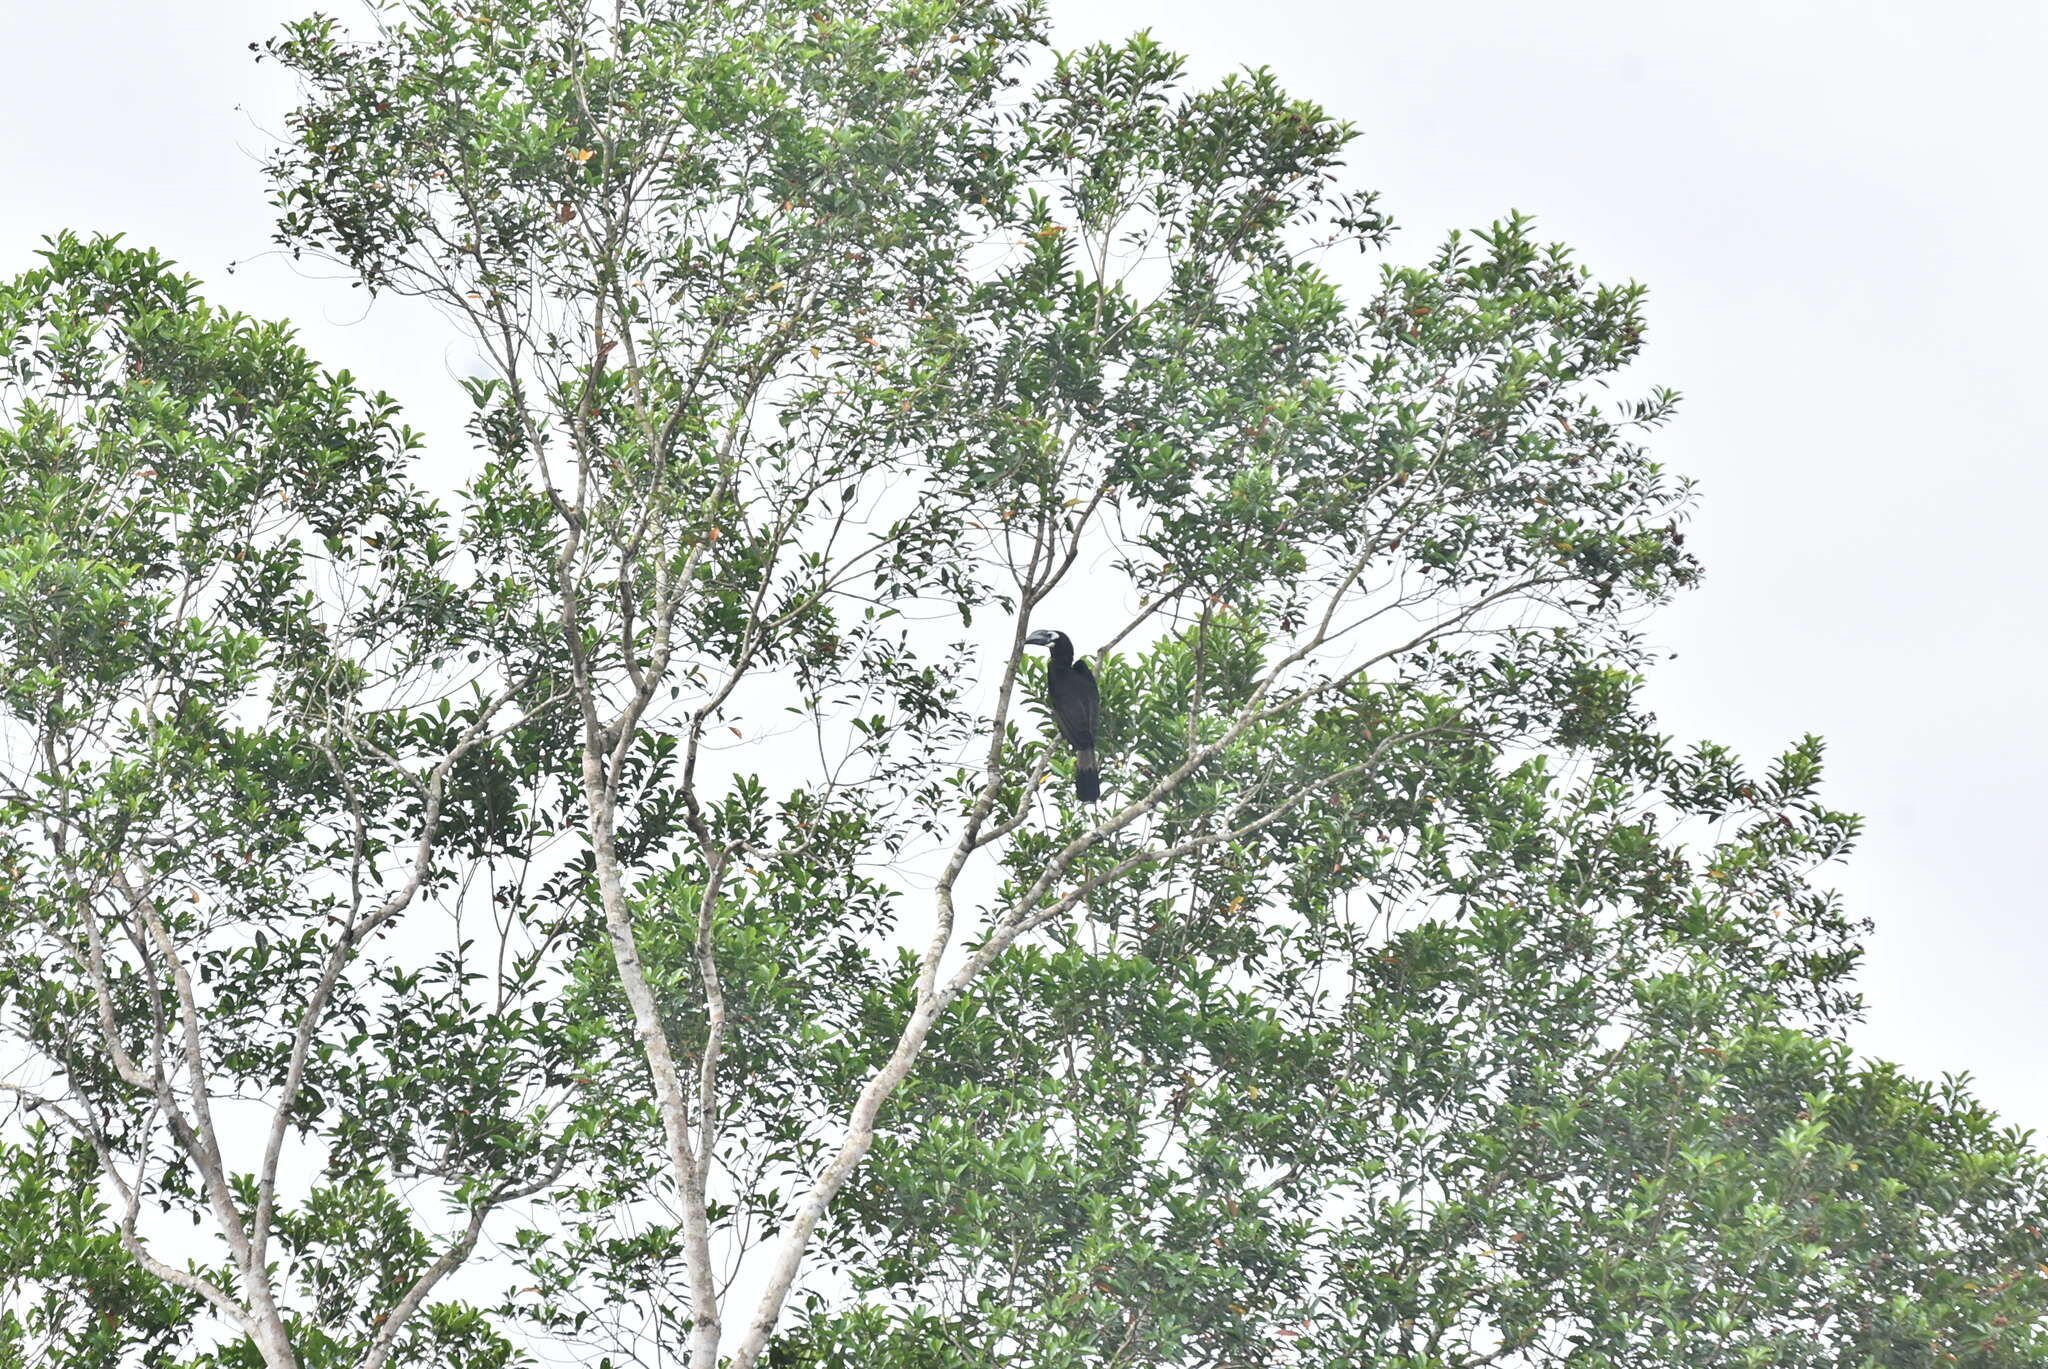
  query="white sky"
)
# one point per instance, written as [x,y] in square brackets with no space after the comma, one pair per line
[1837,209]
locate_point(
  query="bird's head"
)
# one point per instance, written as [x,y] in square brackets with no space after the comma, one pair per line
[1045,636]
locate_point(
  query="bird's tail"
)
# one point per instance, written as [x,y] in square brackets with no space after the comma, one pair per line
[1087,783]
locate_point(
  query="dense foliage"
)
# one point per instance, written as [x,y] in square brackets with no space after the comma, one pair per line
[644,901]
[231,735]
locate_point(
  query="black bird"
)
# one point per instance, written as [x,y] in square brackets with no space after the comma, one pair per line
[1075,703]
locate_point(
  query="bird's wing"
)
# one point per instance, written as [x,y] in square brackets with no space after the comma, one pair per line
[1087,705]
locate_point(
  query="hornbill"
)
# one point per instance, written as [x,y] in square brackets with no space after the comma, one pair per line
[1075,704]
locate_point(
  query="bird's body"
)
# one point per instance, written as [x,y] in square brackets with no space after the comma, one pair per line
[1075,704]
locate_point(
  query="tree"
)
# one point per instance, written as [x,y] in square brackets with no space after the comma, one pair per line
[1407,1000]
[74,1296]
[221,601]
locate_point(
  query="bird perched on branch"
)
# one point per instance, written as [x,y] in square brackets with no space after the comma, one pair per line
[1075,703]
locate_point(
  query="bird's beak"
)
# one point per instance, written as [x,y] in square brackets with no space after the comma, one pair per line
[1042,637]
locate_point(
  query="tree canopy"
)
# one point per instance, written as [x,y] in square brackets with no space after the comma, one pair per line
[638,914]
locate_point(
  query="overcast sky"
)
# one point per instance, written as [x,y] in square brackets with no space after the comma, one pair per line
[1837,207]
